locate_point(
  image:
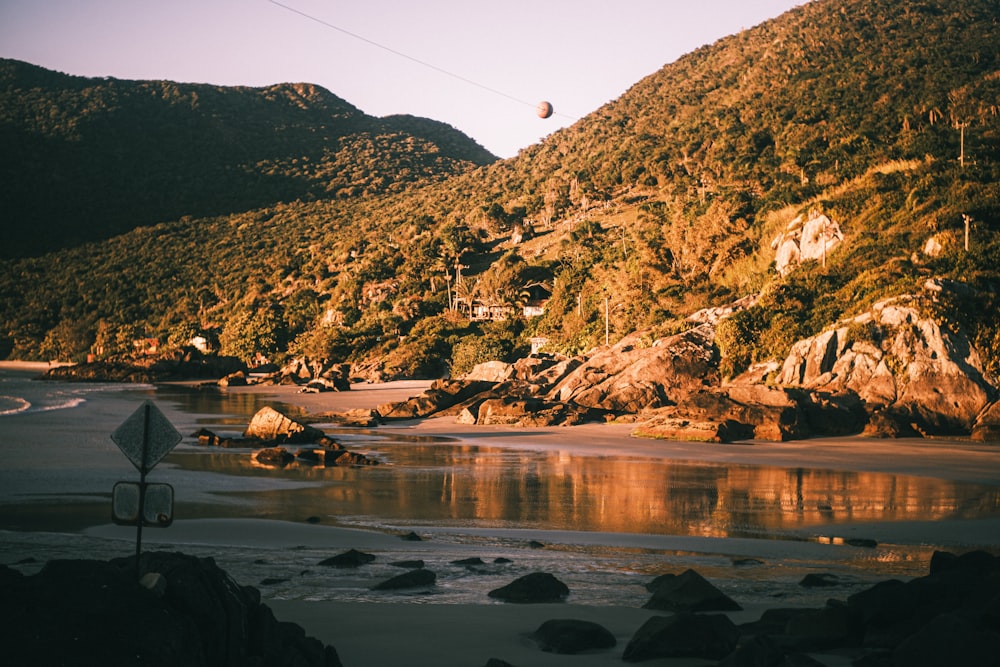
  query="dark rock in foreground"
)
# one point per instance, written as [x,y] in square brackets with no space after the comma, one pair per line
[569,636]
[949,617]
[537,587]
[88,612]
[688,591]
[683,635]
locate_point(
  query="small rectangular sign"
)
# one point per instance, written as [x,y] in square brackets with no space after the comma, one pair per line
[157,506]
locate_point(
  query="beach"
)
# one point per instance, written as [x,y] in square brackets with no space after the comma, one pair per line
[949,503]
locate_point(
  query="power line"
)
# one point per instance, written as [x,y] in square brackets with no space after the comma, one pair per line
[418,61]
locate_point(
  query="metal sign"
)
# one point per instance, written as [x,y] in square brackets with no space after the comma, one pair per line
[155,504]
[146,437]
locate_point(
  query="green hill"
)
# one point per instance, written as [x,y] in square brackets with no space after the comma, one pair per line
[86,159]
[879,116]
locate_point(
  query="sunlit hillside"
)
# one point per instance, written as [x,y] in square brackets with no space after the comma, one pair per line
[879,116]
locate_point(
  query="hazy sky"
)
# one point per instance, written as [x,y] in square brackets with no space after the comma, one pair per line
[483,64]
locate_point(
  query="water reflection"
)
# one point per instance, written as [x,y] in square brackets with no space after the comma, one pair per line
[457,484]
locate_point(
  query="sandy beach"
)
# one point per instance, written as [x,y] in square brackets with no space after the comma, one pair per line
[417,628]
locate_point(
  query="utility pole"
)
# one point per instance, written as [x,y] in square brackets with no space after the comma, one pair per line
[606,334]
[961,150]
[967,219]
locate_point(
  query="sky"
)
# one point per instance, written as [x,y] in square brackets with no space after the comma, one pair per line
[481,66]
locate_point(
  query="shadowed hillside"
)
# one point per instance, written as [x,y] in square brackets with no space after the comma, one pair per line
[86,159]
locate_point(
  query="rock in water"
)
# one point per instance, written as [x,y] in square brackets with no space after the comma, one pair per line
[270,425]
[688,592]
[536,587]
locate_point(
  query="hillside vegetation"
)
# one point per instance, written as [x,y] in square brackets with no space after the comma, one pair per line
[880,116]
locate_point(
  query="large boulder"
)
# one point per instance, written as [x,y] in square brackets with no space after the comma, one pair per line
[537,587]
[271,426]
[88,612]
[570,636]
[683,635]
[688,591]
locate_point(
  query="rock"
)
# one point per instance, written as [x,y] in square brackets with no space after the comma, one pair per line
[474,561]
[819,580]
[493,372]
[441,395]
[818,629]
[804,240]
[350,558]
[154,582]
[631,376]
[269,425]
[570,636]
[950,639]
[92,612]
[761,651]
[675,428]
[688,591]
[408,564]
[348,458]
[891,611]
[273,456]
[987,426]
[683,635]
[237,379]
[537,587]
[411,537]
[412,579]
[895,359]
[357,417]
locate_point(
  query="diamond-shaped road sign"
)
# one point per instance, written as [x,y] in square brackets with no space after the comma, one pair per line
[146,437]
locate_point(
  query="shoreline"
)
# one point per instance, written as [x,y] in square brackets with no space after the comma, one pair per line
[954,459]
[395,628]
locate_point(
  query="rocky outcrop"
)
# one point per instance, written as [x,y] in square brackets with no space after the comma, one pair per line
[893,371]
[947,617]
[311,375]
[175,610]
[183,364]
[805,239]
[905,368]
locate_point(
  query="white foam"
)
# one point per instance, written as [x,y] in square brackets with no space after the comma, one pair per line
[12,405]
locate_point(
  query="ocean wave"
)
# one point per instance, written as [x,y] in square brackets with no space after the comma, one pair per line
[61,405]
[12,405]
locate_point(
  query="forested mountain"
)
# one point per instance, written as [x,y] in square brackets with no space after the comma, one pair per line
[86,159]
[879,116]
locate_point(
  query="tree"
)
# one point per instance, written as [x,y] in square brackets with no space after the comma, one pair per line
[254,331]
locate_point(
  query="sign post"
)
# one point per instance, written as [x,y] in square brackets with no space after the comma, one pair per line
[145,438]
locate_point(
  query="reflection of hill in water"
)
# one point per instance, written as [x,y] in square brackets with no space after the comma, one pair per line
[471,485]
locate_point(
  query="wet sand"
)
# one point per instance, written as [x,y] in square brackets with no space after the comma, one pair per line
[443,635]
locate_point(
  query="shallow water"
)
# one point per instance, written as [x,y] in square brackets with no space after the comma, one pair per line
[617,519]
